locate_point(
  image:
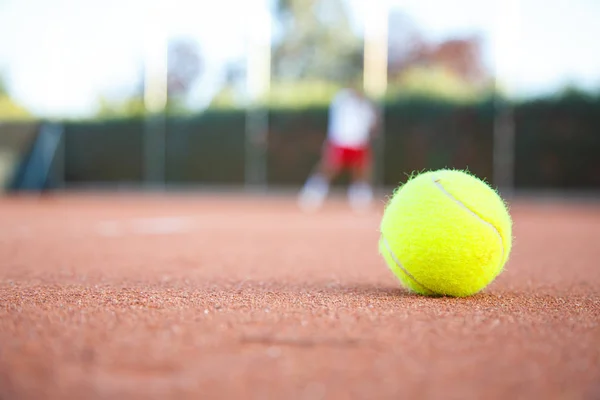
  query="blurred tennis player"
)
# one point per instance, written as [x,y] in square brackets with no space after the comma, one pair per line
[353,120]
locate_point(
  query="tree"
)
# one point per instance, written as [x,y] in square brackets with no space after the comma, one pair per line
[315,41]
[9,108]
[314,50]
[3,88]
[451,68]
[184,66]
[405,40]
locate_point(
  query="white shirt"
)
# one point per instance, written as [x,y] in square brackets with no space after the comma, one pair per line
[350,120]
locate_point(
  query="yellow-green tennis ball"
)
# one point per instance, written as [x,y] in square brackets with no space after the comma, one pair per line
[446,233]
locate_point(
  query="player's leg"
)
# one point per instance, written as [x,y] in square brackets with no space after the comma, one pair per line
[360,192]
[316,188]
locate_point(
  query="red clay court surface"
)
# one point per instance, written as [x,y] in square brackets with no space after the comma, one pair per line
[130,297]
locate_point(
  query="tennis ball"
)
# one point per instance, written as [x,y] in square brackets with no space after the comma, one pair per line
[445,233]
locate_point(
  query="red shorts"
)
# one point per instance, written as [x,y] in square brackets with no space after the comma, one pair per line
[337,157]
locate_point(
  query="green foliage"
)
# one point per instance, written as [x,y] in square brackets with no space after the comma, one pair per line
[3,88]
[131,107]
[10,110]
[575,94]
[283,94]
[428,83]
[316,41]
[436,83]
[227,98]
[289,94]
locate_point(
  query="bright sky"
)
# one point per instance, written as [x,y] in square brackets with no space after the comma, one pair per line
[60,55]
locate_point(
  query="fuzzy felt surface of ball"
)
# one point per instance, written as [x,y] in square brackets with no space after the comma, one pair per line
[446,233]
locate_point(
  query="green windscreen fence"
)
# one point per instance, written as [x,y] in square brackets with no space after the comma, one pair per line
[557,144]
[205,149]
[16,142]
[104,152]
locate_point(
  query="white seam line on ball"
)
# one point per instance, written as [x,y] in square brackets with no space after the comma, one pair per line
[437,183]
[399,265]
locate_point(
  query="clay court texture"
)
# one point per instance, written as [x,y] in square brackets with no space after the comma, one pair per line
[131,296]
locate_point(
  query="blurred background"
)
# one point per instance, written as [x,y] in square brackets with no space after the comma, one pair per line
[235,93]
